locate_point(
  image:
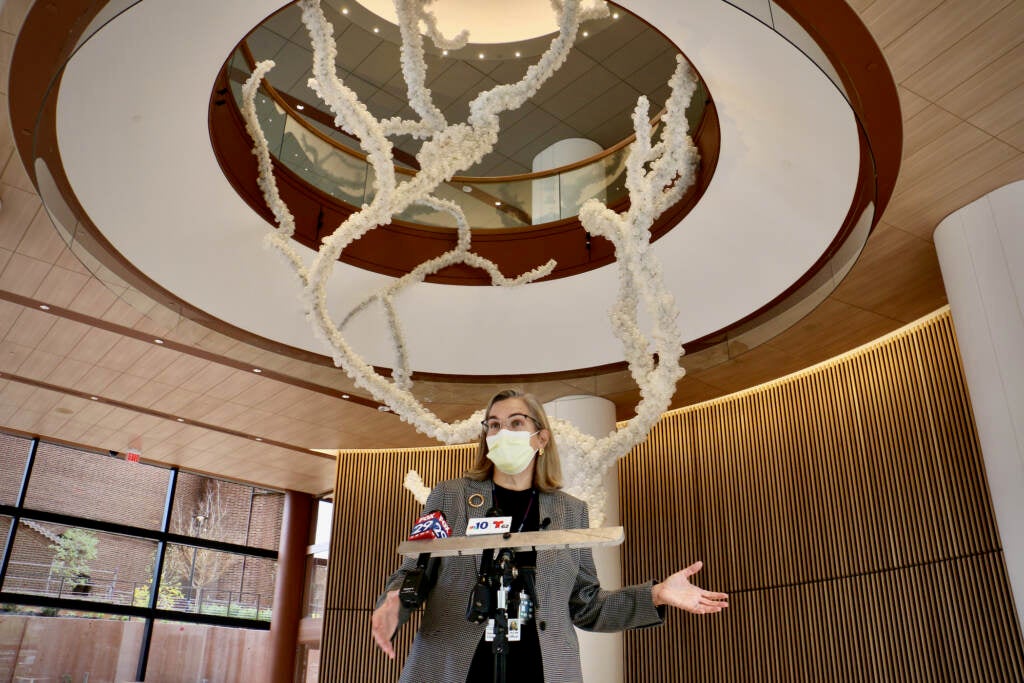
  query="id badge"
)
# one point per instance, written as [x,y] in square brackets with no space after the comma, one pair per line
[514,631]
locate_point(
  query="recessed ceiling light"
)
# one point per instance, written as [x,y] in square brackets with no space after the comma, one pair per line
[444,53]
[615,15]
[344,10]
[586,33]
[158,341]
[519,54]
[259,438]
[467,188]
[256,370]
[497,203]
[376,30]
[345,396]
[481,55]
[44,307]
[300,107]
[94,398]
[181,419]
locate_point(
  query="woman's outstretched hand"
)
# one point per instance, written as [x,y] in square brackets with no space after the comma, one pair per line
[677,591]
[384,622]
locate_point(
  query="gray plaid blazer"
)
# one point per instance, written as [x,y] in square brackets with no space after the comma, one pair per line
[568,593]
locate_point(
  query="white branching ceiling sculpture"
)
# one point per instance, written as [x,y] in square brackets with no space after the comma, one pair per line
[657,176]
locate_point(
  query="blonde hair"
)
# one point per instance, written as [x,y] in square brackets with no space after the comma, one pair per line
[547,473]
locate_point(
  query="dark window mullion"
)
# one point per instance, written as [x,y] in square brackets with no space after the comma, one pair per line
[130,611]
[158,569]
[137,532]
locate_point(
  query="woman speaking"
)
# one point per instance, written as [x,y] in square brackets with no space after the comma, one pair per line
[517,471]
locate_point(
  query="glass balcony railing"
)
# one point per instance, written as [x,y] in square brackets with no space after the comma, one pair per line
[329,161]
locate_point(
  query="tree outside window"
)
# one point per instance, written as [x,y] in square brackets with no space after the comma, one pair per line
[73,551]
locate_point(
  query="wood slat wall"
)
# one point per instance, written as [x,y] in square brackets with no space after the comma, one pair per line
[845,510]
[372,514]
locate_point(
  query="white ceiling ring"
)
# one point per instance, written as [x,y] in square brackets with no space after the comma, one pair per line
[132,126]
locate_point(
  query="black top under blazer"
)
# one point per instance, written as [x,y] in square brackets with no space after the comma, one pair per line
[568,593]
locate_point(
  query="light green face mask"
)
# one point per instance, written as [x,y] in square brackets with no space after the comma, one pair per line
[510,451]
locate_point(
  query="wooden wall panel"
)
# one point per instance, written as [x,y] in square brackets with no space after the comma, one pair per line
[929,622]
[845,510]
[348,653]
[373,512]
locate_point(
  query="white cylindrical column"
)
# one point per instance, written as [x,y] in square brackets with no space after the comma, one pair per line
[559,196]
[981,254]
[600,653]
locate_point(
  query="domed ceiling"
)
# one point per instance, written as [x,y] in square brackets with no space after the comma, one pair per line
[775,208]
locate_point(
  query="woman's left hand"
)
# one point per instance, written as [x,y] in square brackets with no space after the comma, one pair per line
[677,591]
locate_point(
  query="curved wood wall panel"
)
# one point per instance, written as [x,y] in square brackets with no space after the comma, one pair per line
[937,621]
[846,512]
[373,512]
[845,509]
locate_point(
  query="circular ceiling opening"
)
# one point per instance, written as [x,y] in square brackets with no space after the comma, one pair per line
[568,144]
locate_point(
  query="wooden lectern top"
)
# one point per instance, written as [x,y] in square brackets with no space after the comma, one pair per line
[525,541]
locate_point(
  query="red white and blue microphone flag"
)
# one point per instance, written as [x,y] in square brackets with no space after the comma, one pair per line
[431,525]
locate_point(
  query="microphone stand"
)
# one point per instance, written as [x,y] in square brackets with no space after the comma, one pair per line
[507,569]
[507,572]
[489,603]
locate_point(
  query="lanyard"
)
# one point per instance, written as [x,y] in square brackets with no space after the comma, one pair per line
[526,512]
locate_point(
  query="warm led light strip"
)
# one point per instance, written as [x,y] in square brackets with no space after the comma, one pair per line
[861,350]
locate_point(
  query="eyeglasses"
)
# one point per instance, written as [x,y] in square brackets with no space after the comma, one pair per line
[516,422]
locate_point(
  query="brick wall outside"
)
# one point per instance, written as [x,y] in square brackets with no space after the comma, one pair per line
[85,484]
[13,452]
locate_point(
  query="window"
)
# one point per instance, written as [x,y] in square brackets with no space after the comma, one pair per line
[86,544]
[228,512]
[57,561]
[206,581]
[93,486]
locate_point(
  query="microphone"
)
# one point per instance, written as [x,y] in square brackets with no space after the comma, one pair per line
[429,526]
[419,580]
[482,596]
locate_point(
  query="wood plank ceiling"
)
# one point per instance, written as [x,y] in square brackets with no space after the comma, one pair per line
[195,400]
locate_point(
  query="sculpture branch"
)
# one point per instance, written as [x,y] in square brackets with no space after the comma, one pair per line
[657,176]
